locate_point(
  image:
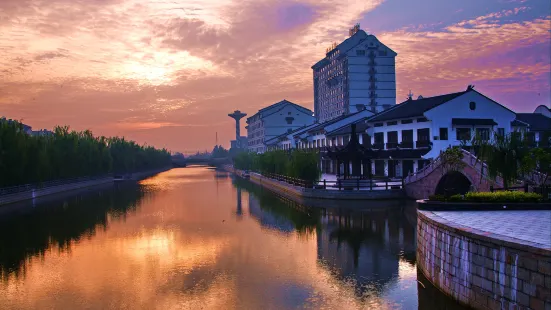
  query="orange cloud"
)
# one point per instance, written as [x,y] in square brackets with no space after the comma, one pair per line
[168,72]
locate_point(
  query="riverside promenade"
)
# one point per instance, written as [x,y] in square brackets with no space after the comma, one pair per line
[488,259]
[378,192]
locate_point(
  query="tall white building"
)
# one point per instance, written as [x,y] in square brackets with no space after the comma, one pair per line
[274,121]
[359,73]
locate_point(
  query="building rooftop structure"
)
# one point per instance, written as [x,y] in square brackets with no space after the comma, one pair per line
[536,121]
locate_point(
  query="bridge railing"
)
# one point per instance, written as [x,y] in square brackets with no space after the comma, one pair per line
[468,158]
[35,186]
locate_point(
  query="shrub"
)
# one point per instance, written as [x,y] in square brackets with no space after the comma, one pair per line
[505,196]
[457,198]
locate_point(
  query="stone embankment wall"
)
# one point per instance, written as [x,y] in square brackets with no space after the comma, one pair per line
[481,271]
[31,194]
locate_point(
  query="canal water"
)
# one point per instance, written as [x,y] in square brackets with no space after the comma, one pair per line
[196,238]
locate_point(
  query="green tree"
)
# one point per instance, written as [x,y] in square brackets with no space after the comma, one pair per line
[539,160]
[504,156]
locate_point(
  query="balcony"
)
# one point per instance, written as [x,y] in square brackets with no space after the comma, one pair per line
[378,146]
[391,145]
[422,144]
[406,145]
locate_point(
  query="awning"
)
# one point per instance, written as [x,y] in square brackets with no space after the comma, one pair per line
[473,122]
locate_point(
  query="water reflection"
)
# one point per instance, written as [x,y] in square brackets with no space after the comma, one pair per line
[194,238]
[30,232]
[369,250]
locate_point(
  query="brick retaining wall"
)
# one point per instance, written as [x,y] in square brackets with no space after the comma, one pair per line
[480,270]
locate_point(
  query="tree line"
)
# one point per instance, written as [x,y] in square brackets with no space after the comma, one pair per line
[67,153]
[296,163]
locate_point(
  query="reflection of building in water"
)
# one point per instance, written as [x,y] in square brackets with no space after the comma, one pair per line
[366,247]
[267,219]
[239,210]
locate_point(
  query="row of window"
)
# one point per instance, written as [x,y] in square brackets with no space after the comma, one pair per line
[379,167]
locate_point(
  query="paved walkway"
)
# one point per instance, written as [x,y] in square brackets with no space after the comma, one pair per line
[531,226]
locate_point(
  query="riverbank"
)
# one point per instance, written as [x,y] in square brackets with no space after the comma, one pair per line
[34,193]
[488,259]
[286,189]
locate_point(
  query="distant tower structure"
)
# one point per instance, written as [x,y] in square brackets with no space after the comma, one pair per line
[237,116]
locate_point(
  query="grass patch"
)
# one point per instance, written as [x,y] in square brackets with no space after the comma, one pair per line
[501,196]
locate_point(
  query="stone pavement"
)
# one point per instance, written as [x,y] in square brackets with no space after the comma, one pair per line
[531,226]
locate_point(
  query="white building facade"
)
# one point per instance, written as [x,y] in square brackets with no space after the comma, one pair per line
[407,136]
[414,131]
[273,121]
[357,74]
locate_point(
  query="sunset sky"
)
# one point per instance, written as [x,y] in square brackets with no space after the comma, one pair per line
[168,72]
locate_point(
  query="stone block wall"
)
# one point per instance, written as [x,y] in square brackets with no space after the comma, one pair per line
[481,271]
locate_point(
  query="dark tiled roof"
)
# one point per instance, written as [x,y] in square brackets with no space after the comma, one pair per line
[537,122]
[473,121]
[517,123]
[361,126]
[414,108]
[283,135]
[329,122]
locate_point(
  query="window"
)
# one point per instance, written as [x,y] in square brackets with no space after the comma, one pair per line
[472,105]
[378,125]
[422,120]
[407,135]
[423,134]
[463,134]
[366,139]
[406,121]
[392,137]
[379,138]
[443,133]
[360,52]
[483,133]
[501,132]
[391,123]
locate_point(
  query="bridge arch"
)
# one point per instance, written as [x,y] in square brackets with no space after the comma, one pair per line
[452,183]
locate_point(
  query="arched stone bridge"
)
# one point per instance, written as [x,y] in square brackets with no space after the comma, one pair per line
[433,179]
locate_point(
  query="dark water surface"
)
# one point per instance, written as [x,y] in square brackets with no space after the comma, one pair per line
[194,238]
